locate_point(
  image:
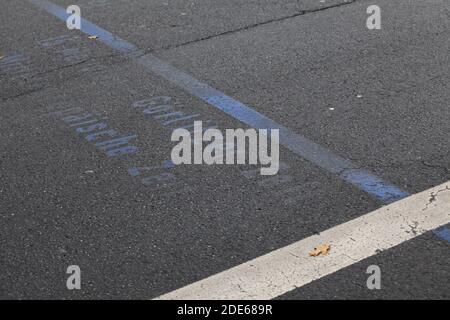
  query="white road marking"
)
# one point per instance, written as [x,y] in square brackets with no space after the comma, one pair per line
[285,269]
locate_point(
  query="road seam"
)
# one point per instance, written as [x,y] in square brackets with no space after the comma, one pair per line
[298,144]
[254,25]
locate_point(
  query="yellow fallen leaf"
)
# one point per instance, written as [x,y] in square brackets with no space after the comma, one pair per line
[322,249]
[93,37]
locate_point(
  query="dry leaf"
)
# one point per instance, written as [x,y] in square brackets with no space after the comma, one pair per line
[1,57]
[322,249]
[93,37]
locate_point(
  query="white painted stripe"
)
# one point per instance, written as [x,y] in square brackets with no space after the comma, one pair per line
[291,267]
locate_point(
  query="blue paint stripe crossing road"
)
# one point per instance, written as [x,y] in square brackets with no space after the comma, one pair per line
[296,143]
[443,232]
[89,28]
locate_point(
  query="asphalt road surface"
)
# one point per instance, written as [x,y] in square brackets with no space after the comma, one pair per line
[139,227]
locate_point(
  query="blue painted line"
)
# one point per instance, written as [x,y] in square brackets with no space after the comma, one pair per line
[91,29]
[443,232]
[298,144]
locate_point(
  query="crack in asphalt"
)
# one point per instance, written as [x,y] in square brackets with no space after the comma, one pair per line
[251,26]
[414,228]
[66,66]
[144,52]
[433,196]
[23,93]
[59,68]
